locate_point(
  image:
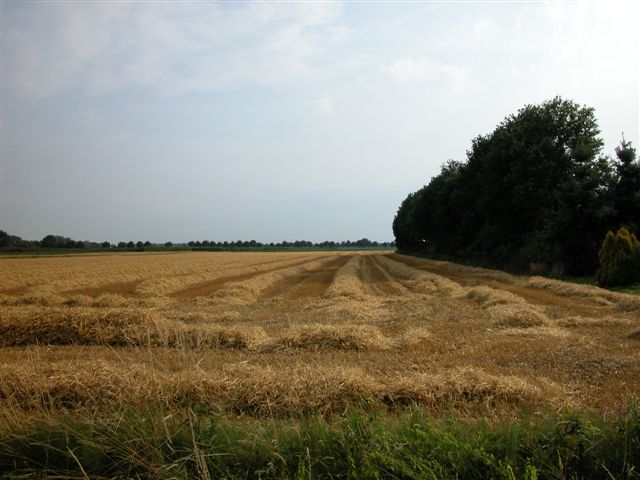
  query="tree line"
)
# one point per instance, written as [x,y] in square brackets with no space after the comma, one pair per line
[13,243]
[328,244]
[537,194]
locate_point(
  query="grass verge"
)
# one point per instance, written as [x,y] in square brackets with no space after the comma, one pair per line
[359,444]
[633,288]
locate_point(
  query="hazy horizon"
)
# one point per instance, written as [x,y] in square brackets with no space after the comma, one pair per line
[277,121]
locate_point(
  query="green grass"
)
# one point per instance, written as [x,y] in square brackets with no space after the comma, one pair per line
[358,445]
[587,280]
[633,288]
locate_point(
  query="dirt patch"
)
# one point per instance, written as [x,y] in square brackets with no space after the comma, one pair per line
[17,291]
[311,283]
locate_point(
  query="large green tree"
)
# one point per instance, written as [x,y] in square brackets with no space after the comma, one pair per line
[536,189]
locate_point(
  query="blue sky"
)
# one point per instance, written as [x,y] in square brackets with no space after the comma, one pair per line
[271,121]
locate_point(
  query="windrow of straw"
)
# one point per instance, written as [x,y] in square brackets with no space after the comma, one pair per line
[489,297]
[105,300]
[591,293]
[424,280]
[117,327]
[517,316]
[262,390]
[340,337]
[145,328]
[507,309]
[346,282]
[462,388]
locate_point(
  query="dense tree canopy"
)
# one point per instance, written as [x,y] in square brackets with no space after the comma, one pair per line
[537,190]
[626,190]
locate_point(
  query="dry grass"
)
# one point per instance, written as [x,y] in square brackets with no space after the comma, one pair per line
[635,335]
[412,337]
[247,291]
[600,296]
[300,332]
[540,332]
[326,337]
[261,390]
[603,322]
[420,279]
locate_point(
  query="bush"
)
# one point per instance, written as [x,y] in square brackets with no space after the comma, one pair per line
[619,259]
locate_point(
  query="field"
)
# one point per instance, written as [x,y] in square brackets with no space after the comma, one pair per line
[311,334]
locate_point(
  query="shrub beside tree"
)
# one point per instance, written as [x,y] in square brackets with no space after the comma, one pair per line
[619,259]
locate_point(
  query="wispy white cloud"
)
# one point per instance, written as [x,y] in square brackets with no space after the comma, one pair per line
[408,71]
[323,105]
[169,48]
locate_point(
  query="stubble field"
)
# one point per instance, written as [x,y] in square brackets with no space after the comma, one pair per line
[279,334]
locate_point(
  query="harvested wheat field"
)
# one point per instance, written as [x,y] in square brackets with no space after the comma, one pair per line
[290,333]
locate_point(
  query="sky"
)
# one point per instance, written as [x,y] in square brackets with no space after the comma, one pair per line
[277,120]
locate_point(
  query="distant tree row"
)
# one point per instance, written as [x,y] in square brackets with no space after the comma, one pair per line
[362,243]
[8,242]
[50,241]
[535,193]
[56,241]
[15,243]
[130,244]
